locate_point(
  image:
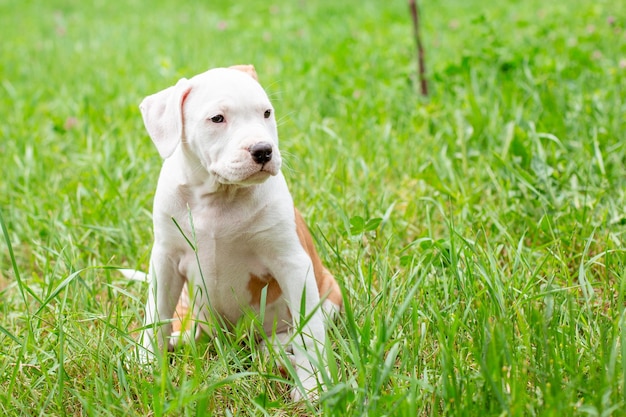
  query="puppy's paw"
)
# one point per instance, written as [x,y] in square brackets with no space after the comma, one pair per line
[278,343]
[178,338]
[310,394]
[145,350]
[143,356]
[331,310]
[296,395]
[309,387]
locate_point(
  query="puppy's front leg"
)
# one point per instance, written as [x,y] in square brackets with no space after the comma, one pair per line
[166,284]
[300,289]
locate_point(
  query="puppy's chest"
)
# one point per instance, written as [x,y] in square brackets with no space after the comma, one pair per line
[227,264]
[227,247]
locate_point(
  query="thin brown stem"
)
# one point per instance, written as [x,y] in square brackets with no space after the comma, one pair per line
[421,67]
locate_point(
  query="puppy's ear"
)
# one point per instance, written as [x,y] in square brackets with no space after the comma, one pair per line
[248,69]
[163,116]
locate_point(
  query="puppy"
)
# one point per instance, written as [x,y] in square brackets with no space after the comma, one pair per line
[224,221]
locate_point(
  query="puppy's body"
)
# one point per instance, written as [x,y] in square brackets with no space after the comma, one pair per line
[224,220]
[237,240]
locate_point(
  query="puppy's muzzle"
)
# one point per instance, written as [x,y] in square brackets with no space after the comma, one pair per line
[261,152]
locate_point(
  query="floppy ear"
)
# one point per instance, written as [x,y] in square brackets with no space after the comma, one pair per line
[163,116]
[248,69]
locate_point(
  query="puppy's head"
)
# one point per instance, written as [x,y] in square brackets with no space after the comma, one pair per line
[221,117]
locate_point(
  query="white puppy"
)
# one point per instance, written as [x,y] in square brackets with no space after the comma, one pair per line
[225,223]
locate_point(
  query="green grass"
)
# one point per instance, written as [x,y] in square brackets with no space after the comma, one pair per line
[478,234]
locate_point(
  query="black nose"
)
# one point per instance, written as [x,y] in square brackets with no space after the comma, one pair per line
[261,152]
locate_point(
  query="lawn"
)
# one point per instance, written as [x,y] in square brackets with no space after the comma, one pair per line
[478,233]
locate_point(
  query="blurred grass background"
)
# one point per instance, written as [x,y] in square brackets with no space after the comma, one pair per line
[478,233]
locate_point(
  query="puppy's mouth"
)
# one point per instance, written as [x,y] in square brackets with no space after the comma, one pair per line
[258,176]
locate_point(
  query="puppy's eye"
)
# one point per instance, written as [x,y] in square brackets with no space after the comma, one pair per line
[267,114]
[217,119]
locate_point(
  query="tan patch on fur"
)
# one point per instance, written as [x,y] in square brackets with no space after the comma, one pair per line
[248,69]
[256,285]
[181,320]
[183,316]
[326,284]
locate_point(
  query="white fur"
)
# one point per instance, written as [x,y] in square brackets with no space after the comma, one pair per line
[237,214]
